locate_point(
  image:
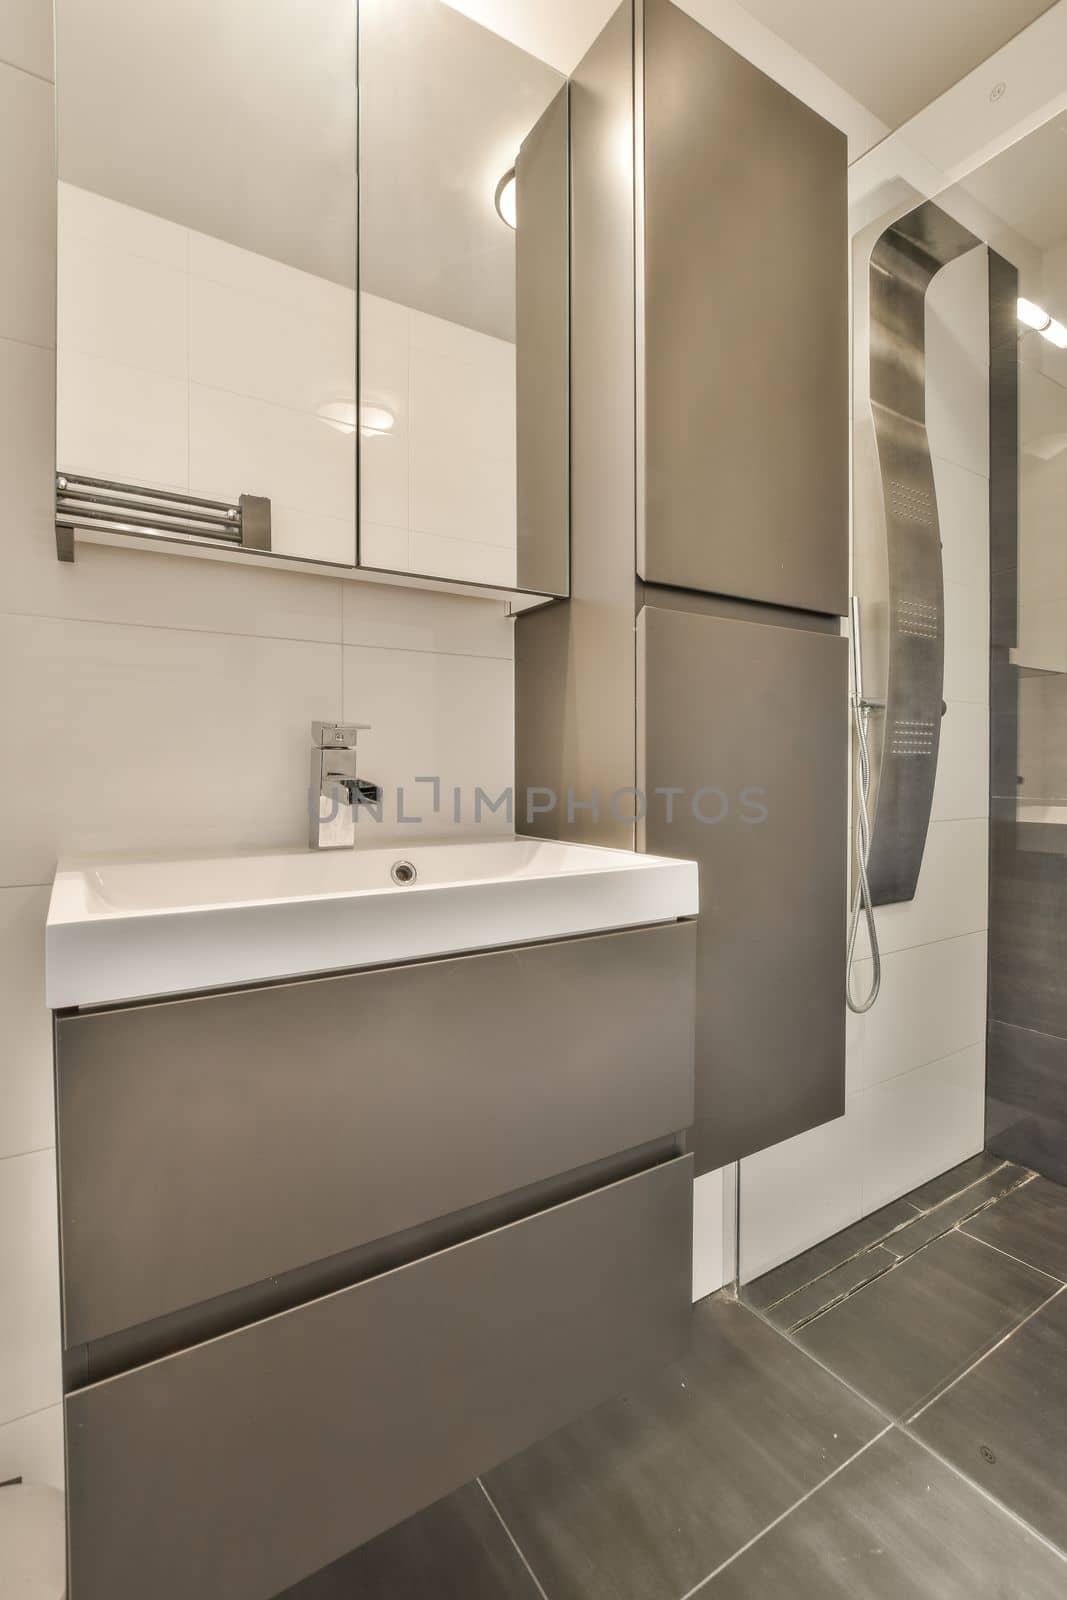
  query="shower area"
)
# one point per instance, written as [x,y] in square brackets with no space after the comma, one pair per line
[956,1089]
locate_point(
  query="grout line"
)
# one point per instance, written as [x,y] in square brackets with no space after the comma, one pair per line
[980,1488]
[514,1542]
[40,885]
[34,1150]
[38,1411]
[17,66]
[230,633]
[915,1415]
[977,1237]
[787,1513]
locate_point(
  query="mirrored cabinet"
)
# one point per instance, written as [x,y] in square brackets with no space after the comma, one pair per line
[313,270]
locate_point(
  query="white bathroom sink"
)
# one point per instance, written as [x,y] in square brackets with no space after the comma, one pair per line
[124,930]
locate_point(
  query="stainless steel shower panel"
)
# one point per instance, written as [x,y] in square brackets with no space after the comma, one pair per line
[898,548]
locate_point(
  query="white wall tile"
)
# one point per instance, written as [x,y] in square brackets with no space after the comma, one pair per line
[920,1124]
[29,1273]
[312,535]
[120,422]
[461,559]
[952,894]
[961,788]
[26,36]
[932,1004]
[385,479]
[27,208]
[712,1259]
[799,1192]
[387,548]
[966,643]
[170,740]
[84,215]
[957,307]
[238,445]
[445,716]
[416,619]
[296,349]
[957,365]
[31,1448]
[122,307]
[27,1119]
[963,512]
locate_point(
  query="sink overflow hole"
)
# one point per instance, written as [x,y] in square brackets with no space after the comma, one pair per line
[403,872]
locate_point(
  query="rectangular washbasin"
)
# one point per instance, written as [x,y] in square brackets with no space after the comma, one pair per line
[128,930]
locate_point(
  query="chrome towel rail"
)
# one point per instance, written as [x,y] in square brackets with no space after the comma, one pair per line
[129,508]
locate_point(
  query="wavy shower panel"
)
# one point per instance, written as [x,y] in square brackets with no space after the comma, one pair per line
[899,570]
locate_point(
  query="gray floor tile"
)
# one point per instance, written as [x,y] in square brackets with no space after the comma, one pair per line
[896,1524]
[800,1270]
[1013,1408]
[833,1286]
[645,1496]
[906,1335]
[455,1550]
[951,1182]
[930,1225]
[1031,1223]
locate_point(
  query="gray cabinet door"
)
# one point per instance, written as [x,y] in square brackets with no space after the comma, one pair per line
[748,721]
[210,1143]
[745,343]
[239,1467]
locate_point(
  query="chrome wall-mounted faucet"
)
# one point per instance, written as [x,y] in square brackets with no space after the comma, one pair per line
[335,791]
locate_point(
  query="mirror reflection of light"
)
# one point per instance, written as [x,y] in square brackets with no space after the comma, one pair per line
[341,414]
[505,199]
[1037,318]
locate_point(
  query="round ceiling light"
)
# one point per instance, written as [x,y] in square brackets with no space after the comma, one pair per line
[505,199]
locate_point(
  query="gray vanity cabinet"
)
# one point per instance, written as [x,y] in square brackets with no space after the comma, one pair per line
[332,1247]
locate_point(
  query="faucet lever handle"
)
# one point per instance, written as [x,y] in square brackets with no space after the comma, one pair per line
[337,735]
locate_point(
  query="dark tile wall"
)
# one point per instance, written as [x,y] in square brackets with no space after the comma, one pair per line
[1026,1078]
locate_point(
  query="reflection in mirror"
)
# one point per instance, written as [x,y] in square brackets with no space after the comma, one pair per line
[463,301]
[207,268]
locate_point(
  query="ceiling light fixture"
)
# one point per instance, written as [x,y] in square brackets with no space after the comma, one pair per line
[1033,316]
[1037,318]
[505,199]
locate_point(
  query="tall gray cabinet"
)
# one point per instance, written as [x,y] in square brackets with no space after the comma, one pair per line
[690,698]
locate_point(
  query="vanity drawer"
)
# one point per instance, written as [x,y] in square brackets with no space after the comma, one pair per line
[212,1143]
[246,1463]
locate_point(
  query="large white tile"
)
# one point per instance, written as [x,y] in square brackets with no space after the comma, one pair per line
[418,619]
[799,1192]
[932,1003]
[28,206]
[463,448]
[238,445]
[448,717]
[31,1448]
[711,1265]
[312,536]
[139,739]
[124,307]
[296,350]
[462,560]
[259,275]
[952,895]
[120,422]
[966,643]
[29,1273]
[387,548]
[385,479]
[920,1124]
[961,788]
[856,1029]
[963,512]
[93,217]
[26,39]
[27,1120]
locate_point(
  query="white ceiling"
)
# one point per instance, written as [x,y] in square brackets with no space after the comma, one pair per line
[895,56]
[1026,186]
[238,118]
[234,117]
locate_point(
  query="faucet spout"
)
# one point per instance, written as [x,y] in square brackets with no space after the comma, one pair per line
[335,791]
